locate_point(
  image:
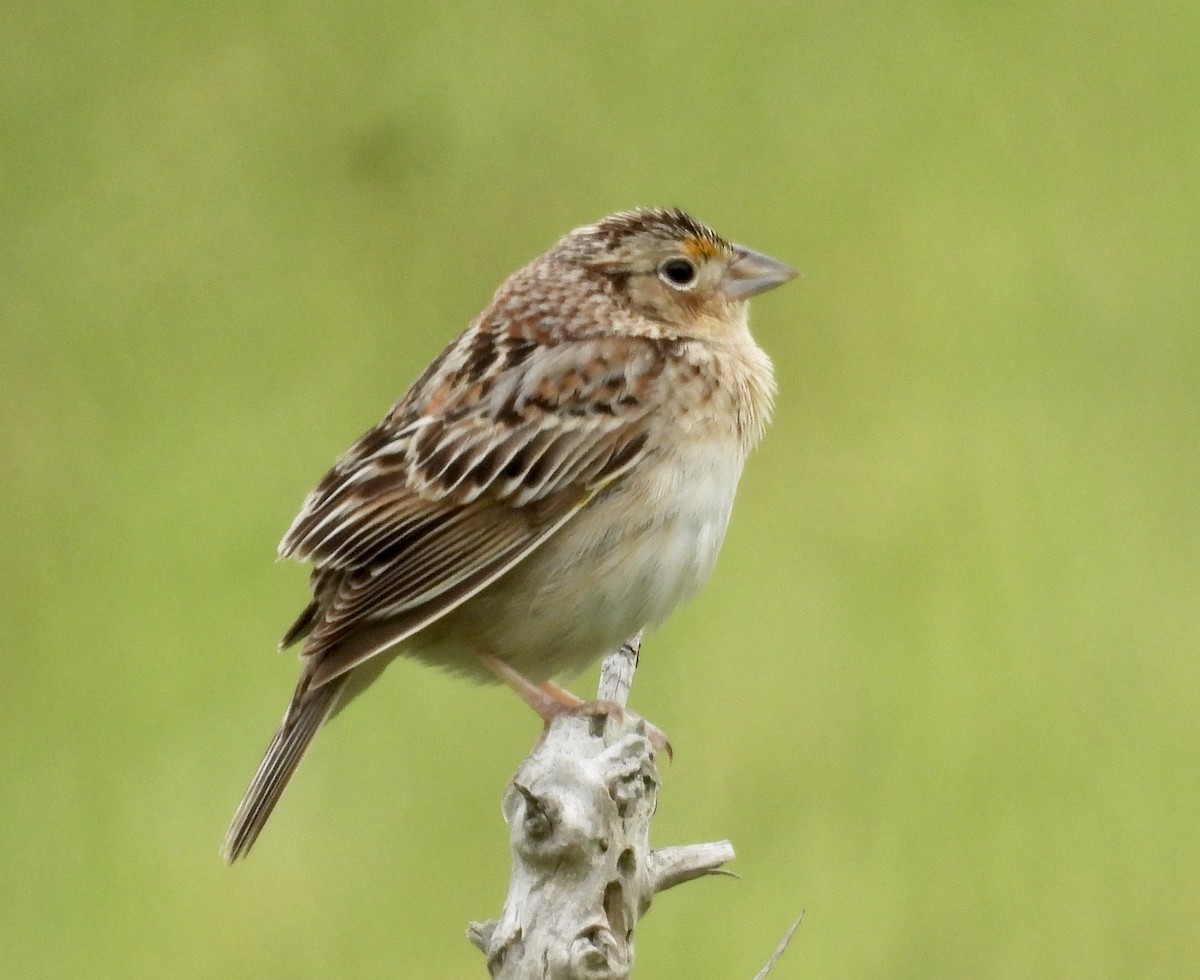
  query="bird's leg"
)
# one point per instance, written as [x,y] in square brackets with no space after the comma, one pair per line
[562,695]
[550,700]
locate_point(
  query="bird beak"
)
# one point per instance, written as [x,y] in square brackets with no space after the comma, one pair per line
[751,273]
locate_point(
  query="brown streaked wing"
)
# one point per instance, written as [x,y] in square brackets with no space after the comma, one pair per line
[460,550]
[423,512]
[581,417]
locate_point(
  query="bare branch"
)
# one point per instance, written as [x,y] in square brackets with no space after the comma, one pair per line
[616,672]
[578,812]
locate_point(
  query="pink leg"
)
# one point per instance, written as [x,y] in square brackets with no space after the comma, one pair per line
[549,700]
[561,694]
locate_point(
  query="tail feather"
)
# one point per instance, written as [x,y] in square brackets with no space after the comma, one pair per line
[308,712]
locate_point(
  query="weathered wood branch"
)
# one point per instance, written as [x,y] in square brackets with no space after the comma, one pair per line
[583,874]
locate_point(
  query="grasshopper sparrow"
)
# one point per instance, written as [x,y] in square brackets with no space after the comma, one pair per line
[559,477]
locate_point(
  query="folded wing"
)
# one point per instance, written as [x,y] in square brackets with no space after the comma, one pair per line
[469,473]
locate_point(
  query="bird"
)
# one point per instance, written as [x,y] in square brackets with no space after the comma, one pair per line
[558,478]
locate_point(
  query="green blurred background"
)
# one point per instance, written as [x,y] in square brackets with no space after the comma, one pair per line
[943,692]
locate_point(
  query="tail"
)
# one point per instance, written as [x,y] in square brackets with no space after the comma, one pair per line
[310,708]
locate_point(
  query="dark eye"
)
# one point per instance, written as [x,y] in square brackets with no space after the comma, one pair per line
[678,272]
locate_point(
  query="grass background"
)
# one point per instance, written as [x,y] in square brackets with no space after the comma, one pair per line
[943,692]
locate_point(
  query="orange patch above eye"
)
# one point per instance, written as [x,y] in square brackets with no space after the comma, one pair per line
[700,249]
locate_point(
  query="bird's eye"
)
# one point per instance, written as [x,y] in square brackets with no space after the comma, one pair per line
[678,272]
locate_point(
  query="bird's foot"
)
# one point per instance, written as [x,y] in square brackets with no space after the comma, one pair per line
[610,709]
[550,701]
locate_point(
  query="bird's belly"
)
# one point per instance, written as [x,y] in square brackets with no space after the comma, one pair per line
[626,561]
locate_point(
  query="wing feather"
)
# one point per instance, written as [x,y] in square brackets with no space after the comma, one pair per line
[430,507]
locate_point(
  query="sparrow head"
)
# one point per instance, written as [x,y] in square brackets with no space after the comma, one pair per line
[674,269]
